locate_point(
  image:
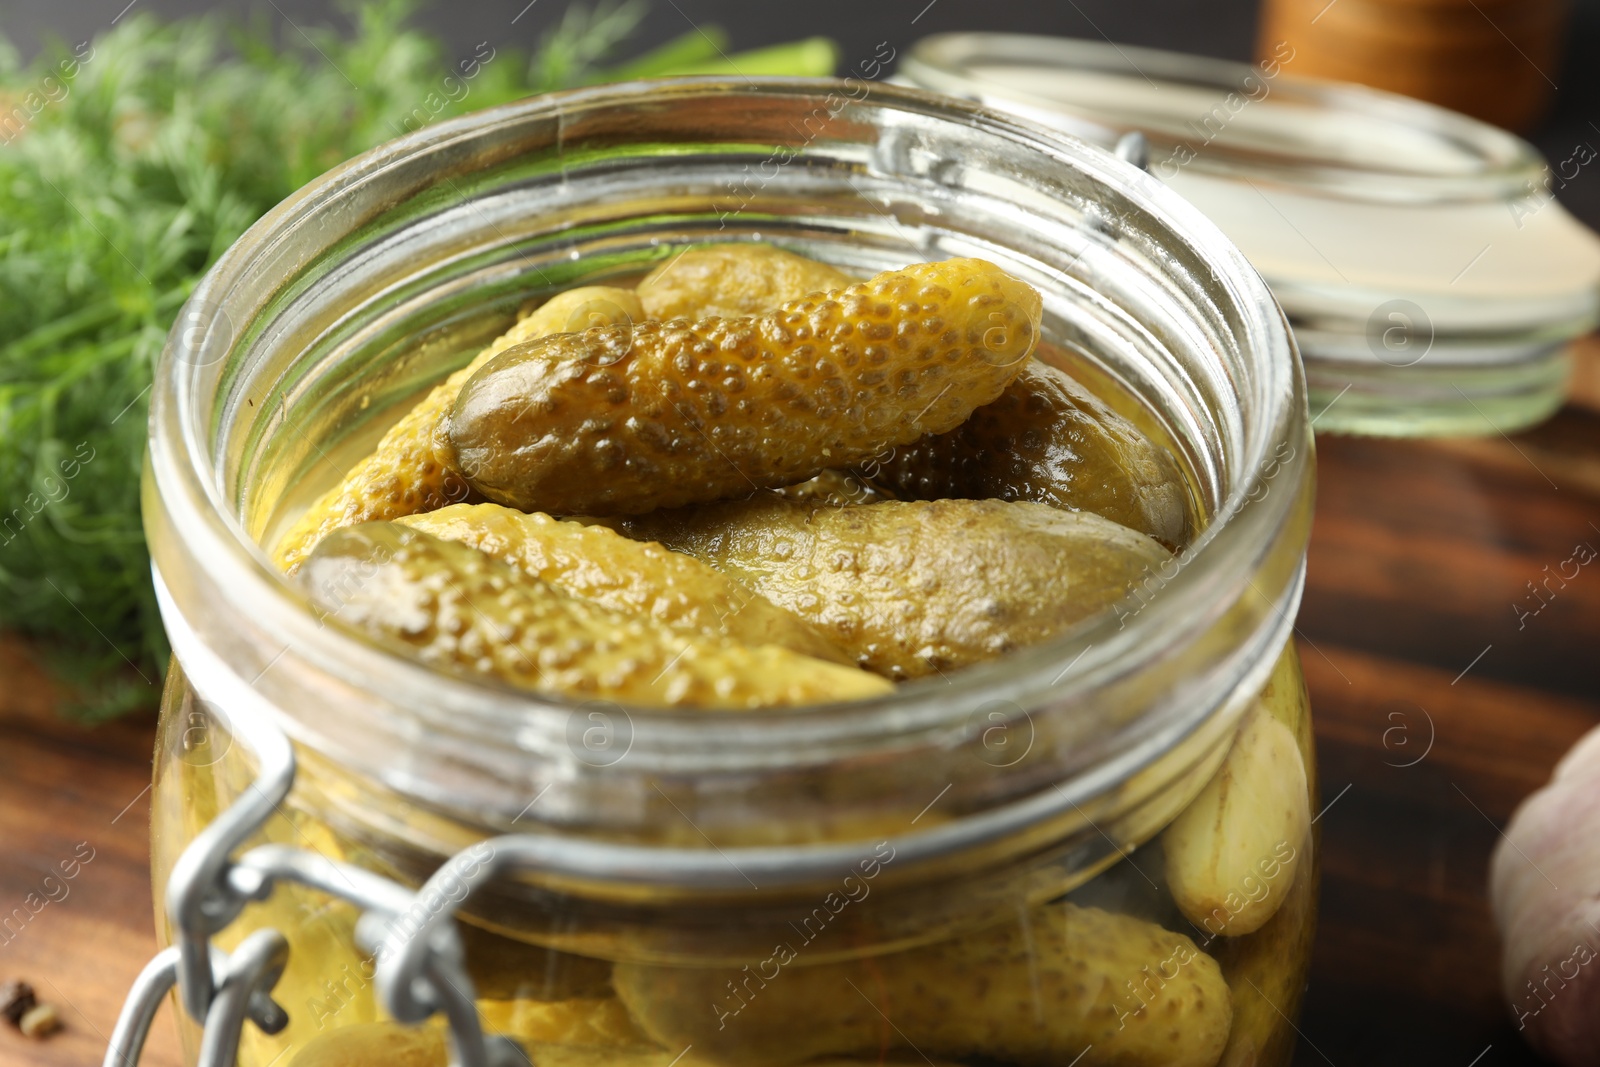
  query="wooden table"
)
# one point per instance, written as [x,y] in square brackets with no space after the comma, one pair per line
[1437,710]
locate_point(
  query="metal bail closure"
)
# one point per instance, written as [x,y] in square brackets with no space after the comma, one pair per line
[140,1007]
[253,969]
[244,983]
[413,936]
[1134,147]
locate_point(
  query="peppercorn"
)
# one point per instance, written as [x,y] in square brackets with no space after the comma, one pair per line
[40,1021]
[16,998]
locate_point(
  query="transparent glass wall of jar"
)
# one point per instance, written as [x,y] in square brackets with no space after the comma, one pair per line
[1013,845]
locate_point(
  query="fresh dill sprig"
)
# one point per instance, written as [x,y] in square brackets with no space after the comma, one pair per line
[583,38]
[127,165]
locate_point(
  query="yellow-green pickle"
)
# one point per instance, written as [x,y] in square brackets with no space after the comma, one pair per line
[1047,438]
[912,588]
[741,486]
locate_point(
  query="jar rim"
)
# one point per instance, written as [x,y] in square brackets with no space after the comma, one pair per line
[187,485]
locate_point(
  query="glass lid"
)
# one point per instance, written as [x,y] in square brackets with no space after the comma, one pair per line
[1337,193]
[1235,118]
[1357,206]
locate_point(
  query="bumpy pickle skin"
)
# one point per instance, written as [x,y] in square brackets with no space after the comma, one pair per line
[915,588]
[623,420]
[731,280]
[599,565]
[410,471]
[460,610]
[1049,440]
[1033,994]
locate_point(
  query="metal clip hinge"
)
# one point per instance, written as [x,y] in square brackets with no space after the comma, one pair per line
[413,936]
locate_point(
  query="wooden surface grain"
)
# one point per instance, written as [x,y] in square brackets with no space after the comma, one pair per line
[1438,706]
[60,786]
[1443,693]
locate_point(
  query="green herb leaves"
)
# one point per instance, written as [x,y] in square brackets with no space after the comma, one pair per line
[127,165]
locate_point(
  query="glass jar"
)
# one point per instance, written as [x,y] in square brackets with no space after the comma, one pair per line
[1013,863]
[1435,286]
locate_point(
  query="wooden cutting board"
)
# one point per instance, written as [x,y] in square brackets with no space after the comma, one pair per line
[1438,706]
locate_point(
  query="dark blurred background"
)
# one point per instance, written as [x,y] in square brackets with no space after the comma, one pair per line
[1225,28]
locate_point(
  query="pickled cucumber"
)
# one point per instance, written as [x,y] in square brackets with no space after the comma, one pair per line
[622,420]
[388,1045]
[913,588]
[733,280]
[376,1045]
[463,611]
[407,472]
[600,1021]
[1266,970]
[1047,439]
[871,475]
[1071,982]
[503,968]
[596,564]
[1266,977]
